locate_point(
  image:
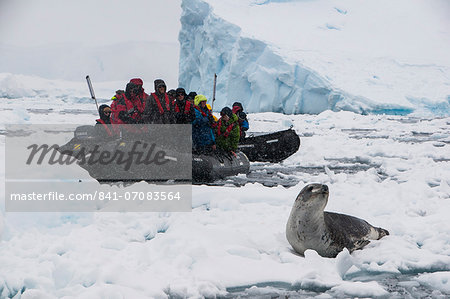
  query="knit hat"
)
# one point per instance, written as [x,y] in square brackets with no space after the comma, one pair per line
[159,82]
[192,95]
[181,90]
[172,93]
[226,111]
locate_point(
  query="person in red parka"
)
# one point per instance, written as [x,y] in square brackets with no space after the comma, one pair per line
[129,107]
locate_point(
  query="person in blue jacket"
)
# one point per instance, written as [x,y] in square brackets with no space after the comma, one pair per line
[203,140]
[242,118]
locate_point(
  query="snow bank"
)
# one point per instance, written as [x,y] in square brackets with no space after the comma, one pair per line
[311,56]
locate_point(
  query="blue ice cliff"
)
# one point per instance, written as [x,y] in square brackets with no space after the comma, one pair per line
[256,73]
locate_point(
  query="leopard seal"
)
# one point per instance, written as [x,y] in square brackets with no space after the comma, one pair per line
[310,227]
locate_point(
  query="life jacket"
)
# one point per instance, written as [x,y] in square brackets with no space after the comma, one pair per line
[135,108]
[203,112]
[228,129]
[117,105]
[122,103]
[187,107]
[158,103]
[105,126]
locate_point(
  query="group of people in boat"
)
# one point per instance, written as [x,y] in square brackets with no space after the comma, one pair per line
[134,106]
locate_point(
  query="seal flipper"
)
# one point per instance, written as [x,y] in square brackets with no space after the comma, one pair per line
[359,244]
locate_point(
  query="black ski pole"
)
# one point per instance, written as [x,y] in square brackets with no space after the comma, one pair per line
[91,90]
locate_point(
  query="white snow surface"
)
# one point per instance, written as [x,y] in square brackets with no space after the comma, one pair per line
[393,171]
[310,56]
[398,178]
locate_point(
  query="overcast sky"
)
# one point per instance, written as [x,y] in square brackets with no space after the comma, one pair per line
[88,22]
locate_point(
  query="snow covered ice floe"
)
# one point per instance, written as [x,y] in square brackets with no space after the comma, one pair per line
[234,241]
[311,56]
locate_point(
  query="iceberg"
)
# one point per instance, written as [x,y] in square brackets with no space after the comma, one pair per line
[298,57]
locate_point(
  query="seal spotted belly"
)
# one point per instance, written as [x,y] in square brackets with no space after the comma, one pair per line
[309,227]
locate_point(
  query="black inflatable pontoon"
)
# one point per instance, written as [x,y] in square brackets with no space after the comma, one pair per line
[205,168]
[273,147]
[218,165]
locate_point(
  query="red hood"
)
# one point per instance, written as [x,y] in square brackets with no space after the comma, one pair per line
[137,81]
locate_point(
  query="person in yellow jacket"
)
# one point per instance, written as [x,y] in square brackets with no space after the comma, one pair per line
[210,109]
